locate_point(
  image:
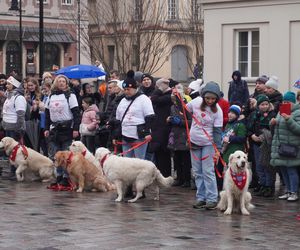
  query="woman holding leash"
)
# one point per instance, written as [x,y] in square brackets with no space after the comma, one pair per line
[206,130]
[62,124]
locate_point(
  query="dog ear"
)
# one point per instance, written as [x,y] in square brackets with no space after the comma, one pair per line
[230,158]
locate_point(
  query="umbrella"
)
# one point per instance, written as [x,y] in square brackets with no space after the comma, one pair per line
[80,71]
[297,84]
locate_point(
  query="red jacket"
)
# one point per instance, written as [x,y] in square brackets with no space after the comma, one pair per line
[224,104]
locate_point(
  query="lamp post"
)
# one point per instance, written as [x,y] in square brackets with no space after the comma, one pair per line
[78,31]
[41,39]
[14,7]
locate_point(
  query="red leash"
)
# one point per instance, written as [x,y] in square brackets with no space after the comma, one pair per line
[135,145]
[207,135]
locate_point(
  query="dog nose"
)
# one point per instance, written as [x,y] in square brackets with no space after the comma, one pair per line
[243,164]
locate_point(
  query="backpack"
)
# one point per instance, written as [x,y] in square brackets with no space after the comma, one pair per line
[27,111]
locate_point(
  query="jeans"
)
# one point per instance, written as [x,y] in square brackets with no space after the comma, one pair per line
[291,178]
[266,178]
[139,152]
[53,147]
[204,173]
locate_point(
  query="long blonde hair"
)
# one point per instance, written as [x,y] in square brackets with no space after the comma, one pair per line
[37,90]
[54,85]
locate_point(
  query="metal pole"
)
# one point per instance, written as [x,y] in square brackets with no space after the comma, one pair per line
[78,32]
[21,41]
[41,39]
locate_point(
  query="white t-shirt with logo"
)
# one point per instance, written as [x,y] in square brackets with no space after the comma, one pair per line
[140,108]
[59,108]
[11,106]
[208,121]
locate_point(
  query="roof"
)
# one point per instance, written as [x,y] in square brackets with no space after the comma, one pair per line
[31,34]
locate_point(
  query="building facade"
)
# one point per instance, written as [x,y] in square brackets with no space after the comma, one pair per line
[60,36]
[161,37]
[255,37]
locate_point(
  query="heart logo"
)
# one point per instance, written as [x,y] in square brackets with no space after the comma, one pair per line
[203,115]
[56,104]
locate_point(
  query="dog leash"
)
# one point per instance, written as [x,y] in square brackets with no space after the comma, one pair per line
[134,146]
[207,135]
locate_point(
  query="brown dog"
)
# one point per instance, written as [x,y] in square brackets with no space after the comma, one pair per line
[82,172]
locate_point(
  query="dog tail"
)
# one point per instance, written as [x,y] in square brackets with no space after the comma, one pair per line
[165,182]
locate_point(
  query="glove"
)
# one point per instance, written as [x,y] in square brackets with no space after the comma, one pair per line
[175,120]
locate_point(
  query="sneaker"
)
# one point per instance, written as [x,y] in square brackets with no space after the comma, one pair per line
[293,197]
[284,196]
[211,205]
[199,204]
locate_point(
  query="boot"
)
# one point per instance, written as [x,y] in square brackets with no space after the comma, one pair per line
[261,191]
[269,192]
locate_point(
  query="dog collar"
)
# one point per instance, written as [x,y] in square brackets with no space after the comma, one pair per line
[239,179]
[13,154]
[69,160]
[84,153]
[103,160]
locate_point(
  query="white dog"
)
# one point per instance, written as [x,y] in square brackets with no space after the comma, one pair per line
[124,171]
[78,146]
[235,195]
[24,158]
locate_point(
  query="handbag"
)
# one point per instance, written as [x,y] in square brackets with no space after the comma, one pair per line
[288,150]
[142,131]
[83,130]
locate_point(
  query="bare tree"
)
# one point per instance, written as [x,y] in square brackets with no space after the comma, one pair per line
[134,30]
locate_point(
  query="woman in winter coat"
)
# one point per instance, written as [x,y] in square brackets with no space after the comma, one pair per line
[209,114]
[162,102]
[178,141]
[89,123]
[287,133]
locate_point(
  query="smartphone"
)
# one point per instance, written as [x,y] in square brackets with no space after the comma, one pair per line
[285,108]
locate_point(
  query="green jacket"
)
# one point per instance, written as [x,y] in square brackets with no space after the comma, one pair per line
[286,132]
[237,138]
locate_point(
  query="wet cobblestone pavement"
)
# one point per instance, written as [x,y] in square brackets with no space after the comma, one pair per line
[33,217]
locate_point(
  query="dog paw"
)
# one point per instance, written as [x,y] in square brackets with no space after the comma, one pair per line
[245,212]
[79,190]
[228,212]
[118,200]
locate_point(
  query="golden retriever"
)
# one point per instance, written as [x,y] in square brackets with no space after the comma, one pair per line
[235,195]
[124,171]
[82,173]
[78,146]
[35,162]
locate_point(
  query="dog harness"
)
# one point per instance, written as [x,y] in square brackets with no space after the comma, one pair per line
[103,160]
[69,160]
[13,154]
[239,179]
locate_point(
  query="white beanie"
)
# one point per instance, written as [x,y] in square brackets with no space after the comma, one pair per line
[195,85]
[273,82]
[120,84]
[14,82]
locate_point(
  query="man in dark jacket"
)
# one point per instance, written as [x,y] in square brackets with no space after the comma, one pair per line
[238,89]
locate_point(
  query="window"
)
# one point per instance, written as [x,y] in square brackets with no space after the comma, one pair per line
[138,10]
[111,55]
[195,10]
[248,53]
[66,2]
[172,9]
[44,1]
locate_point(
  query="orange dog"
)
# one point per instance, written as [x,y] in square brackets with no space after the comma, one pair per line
[82,172]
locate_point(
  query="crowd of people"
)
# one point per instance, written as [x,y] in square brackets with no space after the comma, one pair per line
[194,125]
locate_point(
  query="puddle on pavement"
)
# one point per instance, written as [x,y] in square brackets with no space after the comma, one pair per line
[183,237]
[66,230]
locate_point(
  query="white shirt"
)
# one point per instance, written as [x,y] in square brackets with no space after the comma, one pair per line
[11,106]
[208,121]
[59,108]
[139,109]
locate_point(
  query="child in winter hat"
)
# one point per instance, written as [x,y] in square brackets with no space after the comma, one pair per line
[290,97]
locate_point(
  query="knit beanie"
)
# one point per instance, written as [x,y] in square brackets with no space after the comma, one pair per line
[138,76]
[2,76]
[262,98]
[289,96]
[235,109]
[148,76]
[273,82]
[162,84]
[195,85]
[172,83]
[120,84]
[211,87]
[46,74]
[129,82]
[263,79]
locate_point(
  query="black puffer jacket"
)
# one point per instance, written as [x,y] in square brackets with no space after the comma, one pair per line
[275,99]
